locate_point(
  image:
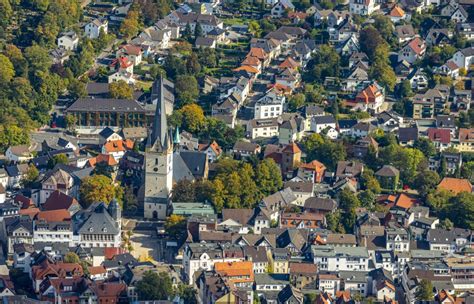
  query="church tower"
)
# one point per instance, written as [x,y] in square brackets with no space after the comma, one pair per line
[158,160]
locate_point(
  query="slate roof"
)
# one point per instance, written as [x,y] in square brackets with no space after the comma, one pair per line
[320,203]
[387,171]
[407,134]
[96,220]
[106,105]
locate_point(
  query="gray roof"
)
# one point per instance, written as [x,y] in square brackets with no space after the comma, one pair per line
[331,251]
[324,119]
[271,279]
[320,203]
[443,236]
[387,171]
[194,161]
[106,105]
[96,220]
[407,134]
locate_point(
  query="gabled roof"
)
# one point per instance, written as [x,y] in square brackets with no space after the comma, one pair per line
[118,145]
[417,45]
[59,201]
[441,135]
[455,185]
[397,11]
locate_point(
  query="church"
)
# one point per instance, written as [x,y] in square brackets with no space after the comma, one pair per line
[158,159]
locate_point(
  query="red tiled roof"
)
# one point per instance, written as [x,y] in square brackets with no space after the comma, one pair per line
[417,45]
[58,200]
[292,148]
[406,202]
[397,11]
[314,165]
[24,201]
[118,145]
[132,49]
[102,158]
[441,135]
[455,185]
[54,215]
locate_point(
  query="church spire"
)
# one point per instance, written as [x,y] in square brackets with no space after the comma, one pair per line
[159,138]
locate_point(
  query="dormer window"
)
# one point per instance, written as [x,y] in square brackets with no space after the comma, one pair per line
[104,229]
[91,229]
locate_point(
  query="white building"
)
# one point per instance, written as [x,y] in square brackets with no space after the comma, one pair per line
[262,128]
[269,106]
[464,58]
[320,123]
[413,50]
[363,7]
[397,239]
[68,41]
[201,256]
[331,258]
[93,28]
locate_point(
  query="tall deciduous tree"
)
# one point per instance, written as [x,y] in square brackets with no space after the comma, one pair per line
[120,89]
[154,286]
[424,291]
[268,177]
[7,70]
[99,188]
[187,89]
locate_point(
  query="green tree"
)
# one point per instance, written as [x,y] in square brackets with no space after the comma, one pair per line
[348,203]
[193,119]
[404,89]
[70,121]
[154,286]
[381,69]
[370,40]
[445,224]
[438,200]
[99,188]
[60,159]
[121,90]
[131,25]
[425,145]
[187,89]
[426,181]
[77,88]
[198,32]
[38,59]
[32,175]
[12,135]
[254,28]
[175,226]
[367,199]
[296,102]
[325,63]
[7,71]
[184,191]
[324,150]
[71,257]
[334,223]
[249,194]
[424,291]
[461,210]
[268,177]
[192,64]
[187,34]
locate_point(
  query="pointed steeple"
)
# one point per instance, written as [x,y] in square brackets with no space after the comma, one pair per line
[159,138]
[177,137]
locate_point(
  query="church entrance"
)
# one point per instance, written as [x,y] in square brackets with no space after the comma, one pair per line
[155,214]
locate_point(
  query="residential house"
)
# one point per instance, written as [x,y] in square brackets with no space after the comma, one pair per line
[323,123]
[303,275]
[407,136]
[388,177]
[213,151]
[20,153]
[330,258]
[465,140]
[95,27]
[280,8]
[302,190]
[262,128]
[243,149]
[133,53]
[413,50]
[455,185]
[397,14]
[371,98]
[269,106]
[68,41]
[440,137]
[464,58]
[312,171]
[363,7]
